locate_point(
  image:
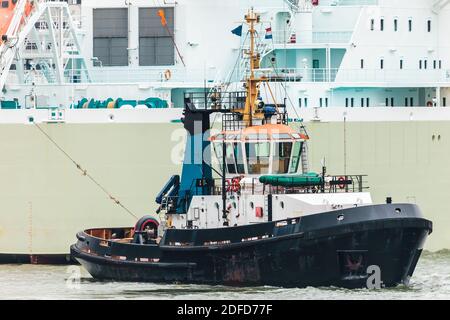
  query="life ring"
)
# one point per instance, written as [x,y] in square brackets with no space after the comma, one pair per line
[167,74]
[235,184]
[342,184]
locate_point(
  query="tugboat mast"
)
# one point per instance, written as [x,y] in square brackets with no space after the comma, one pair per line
[252,83]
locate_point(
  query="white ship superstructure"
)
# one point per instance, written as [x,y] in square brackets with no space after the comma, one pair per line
[105,79]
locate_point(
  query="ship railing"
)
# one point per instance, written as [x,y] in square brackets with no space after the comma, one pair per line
[252,186]
[293,37]
[100,243]
[215,99]
[348,2]
[296,74]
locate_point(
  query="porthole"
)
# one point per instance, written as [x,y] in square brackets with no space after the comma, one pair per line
[398,210]
[340,217]
[111,117]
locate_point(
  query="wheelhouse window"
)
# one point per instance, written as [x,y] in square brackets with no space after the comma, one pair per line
[229,158]
[239,156]
[296,153]
[282,157]
[230,162]
[258,157]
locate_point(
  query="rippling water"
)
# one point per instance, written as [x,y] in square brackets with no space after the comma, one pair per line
[430,281]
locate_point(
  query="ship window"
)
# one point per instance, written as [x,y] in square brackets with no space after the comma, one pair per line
[257,136]
[387,102]
[406,102]
[320,102]
[346,102]
[395,25]
[420,64]
[296,153]
[425,63]
[5,4]
[401,64]
[410,25]
[381,24]
[326,102]
[239,158]
[362,63]
[362,102]
[299,102]
[392,102]
[381,64]
[352,102]
[444,101]
[367,102]
[280,136]
[218,151]
[306,102]
[156,47]
[282,157]
[229,159]
[411,102]
[110,28]
[372,24]
[258,157]
[434,64]
[429,25]
[440,64]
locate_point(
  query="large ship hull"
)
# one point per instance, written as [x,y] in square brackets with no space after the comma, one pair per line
[44,199]
[317,250]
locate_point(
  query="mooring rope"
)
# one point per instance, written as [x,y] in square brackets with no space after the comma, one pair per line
[84,172]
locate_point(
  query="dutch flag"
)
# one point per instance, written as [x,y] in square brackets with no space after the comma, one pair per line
[268,33]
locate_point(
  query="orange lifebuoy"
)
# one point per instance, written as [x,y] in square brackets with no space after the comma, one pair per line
[167,74]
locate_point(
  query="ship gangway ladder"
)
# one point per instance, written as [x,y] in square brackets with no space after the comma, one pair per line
[22,30]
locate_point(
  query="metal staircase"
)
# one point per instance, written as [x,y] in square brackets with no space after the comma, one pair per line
[45,35]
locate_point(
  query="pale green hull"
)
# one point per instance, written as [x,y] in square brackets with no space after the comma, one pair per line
[45,200]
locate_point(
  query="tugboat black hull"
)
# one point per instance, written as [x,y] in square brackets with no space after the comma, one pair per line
[344,248]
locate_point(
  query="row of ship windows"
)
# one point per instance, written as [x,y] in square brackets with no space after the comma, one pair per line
[410,25]
[364,102]
[423,64]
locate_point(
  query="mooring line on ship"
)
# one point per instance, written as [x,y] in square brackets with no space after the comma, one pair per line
[84,172]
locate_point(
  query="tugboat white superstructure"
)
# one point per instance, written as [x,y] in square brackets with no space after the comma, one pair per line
[262,222]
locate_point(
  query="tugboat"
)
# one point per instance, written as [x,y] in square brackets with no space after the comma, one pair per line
[261,218]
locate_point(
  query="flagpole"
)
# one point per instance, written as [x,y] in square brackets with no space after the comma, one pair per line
[164,24]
